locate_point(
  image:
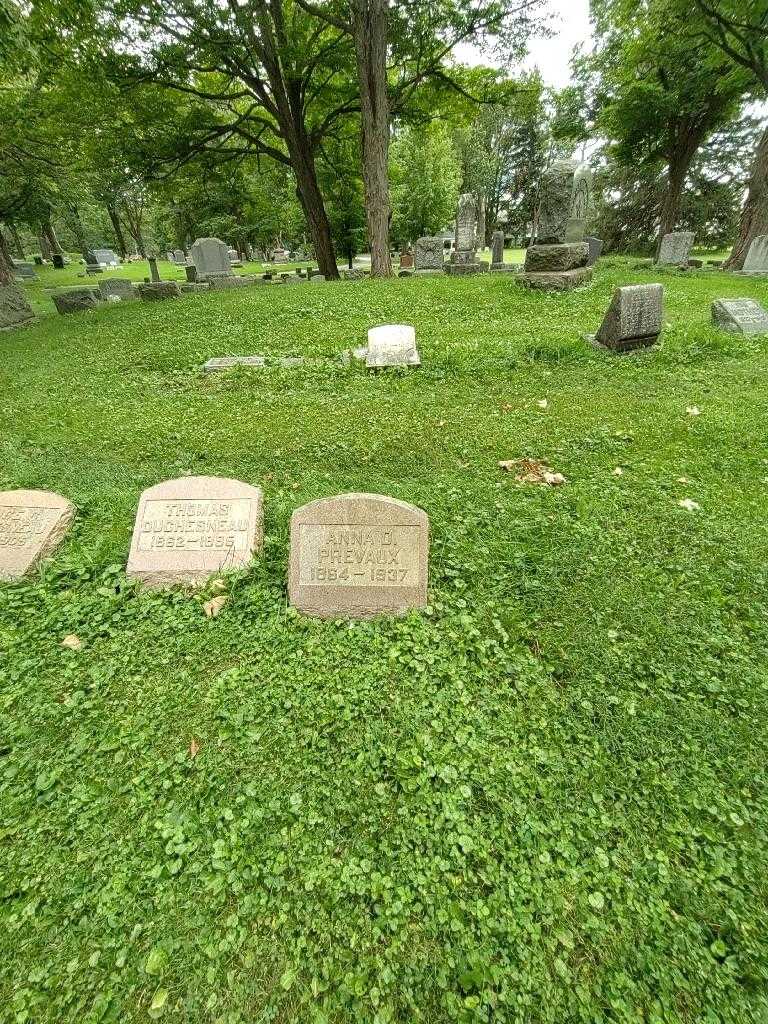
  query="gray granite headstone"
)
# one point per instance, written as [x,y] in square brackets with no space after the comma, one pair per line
[676,248]
[25,270]
[119,287]
[740,316]
[191,271]
[497,248]
[429,254]
[595,249]
[74,300]
[106,257]
[57,259]
[179,257]
[466,223]
[581,198]
[154,273]
[757,257]
[634,318]
[155,291]
[555,202]
[211,256]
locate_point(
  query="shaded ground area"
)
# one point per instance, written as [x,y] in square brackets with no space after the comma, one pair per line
[544,800]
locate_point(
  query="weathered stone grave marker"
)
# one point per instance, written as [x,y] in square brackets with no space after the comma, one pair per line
[595,249]
[463,260]
[74,300]
[757,256]
[156,291]
[392,345]
[558,261]
[429,255]
[32,525]
[15,310]
[676,248]
[740,316]
[106,258]
[191,528]
[211,258]
[117,287]
[634,318]
[358,556]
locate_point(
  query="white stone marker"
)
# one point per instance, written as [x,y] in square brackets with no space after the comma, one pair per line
[32,525]
[740,316]
[757,256]
[191,528]
[392,345]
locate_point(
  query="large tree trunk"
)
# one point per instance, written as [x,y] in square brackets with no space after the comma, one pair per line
[53,241]
[687,140]
[369,30]
[311,198]
[6,265]
[79,232]
[117,227]
[754,217]
[18,248]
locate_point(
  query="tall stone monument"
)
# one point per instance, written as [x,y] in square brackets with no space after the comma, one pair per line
[32,525]
[463,259]
[558,261]
[757,256]
[634,319]
[189,529]
[358,556]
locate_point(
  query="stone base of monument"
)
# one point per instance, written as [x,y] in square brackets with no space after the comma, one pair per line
[15,310]
[625,345]
[460,269]
[193,287]
[505,268]
[434,272]
[156,291]
[75,299]
[218,284]
[556,268]
[556,281]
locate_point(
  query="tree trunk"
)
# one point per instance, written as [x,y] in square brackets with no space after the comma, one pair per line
[16,239]
[79,233]
[117,227]
[6,265]
[45,245]
[670,208]
[369,31]
[686,140]
[50,233]
[311,200]
[754,217]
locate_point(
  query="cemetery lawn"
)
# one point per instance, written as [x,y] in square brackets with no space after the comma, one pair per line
[542,800]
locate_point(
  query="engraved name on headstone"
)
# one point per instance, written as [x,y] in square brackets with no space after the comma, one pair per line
[32,525]
[358,556]
[740,316]
[191,528]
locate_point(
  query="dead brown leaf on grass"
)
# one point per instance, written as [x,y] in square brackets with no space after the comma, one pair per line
[532,471]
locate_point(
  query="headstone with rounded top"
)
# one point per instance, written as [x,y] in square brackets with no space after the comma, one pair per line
[358,556]
[32,525]
[210,256]
[192,528]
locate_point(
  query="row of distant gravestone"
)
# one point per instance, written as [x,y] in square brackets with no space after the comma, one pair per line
[352,555]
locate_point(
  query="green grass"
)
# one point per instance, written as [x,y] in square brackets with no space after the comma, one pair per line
[543,800]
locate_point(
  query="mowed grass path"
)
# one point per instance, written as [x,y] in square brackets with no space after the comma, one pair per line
[543,800]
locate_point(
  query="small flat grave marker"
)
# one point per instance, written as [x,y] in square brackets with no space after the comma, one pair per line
[32,525]
[740,316]
[358,556]
[191,528]
[392,345]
